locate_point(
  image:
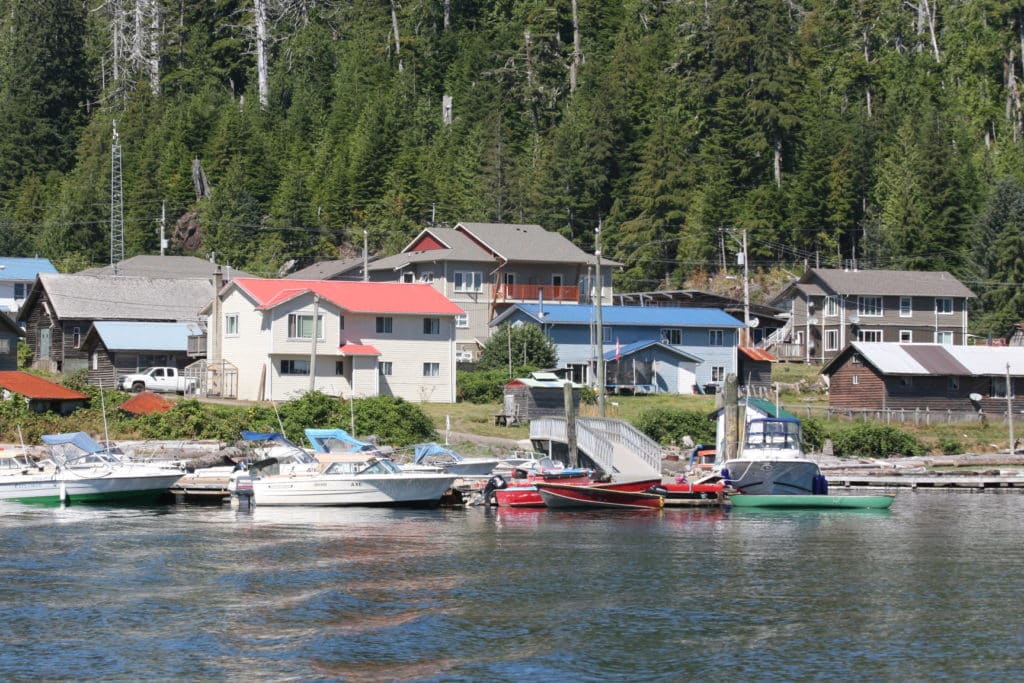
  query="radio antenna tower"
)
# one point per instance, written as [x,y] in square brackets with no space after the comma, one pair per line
[116,204]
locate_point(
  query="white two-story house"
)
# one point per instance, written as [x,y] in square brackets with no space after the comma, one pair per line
[17,276]
[371,339]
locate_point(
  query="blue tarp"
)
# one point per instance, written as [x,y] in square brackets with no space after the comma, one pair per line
[266,436]
[424,450]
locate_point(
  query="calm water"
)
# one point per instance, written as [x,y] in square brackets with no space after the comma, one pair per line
[931,589]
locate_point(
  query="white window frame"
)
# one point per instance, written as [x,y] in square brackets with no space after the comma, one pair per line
[76,337]
[831,340]
[861,334]
[385,368]
[432,327]
[866,307]
[427,277]
[431,369]
[606,333]
[294,367]
[408,277]
[462,321]
[385,324]
[231,325]
[944,334]
[855,379]
[909,334]
[556,279]
[469,281]
[906,306]
[716,337]
[298,321]
[673,336]
[20,291]
[941,307]
[717,373]
[831,306]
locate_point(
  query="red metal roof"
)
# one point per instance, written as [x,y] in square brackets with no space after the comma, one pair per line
[31,386]
[146,402]
[355,297]
[359,350]
[757,354]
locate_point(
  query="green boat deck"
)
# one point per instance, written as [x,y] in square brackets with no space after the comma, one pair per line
[878,502]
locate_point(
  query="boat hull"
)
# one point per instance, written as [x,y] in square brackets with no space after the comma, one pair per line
[341,490]
[46,489]
[772,477]
[568,496]
[879,502]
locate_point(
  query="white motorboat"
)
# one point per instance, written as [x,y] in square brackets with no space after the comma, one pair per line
[771,461]
[432,457]
[80,470]
[294,476]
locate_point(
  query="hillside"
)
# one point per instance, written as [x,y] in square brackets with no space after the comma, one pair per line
[272,133]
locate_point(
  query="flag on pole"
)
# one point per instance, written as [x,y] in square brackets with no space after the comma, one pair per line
[618,349]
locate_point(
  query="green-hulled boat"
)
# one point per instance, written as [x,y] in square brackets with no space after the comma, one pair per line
[804,502]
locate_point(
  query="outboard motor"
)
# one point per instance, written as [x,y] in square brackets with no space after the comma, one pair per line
[493,484]
[240,487]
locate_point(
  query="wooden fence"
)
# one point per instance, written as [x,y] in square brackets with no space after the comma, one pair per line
[919,416]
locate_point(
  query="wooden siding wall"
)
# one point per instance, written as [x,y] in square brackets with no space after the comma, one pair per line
[754,372]
[9,360]
[869,392]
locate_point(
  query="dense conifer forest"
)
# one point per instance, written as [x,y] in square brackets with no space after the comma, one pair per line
[273,133]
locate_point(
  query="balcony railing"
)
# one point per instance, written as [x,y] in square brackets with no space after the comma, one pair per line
[562,293]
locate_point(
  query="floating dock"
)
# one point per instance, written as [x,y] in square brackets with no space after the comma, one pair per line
[983,482]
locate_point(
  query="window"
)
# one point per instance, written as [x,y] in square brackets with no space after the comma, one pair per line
[831,340]
[432,326]
[944,337]
[999,387]
[95,357]
[385,325]
[76,337]
[5,346]
[300,326]
[469,281]
[855,379]
[716,337]
[870,336]
[295,367]
[943,305]
[905,383]
[462,320]
[408,277]
[906,336]
[341,322]
[427,277]
[798,337]
[870,306]
[606,334]
[952,383]
[20,291]
[855,358]
[673,336]
[339,367]
[384,368]
[556,280]
[231,325]
[906,306]
[831,306]
[717,373]
[431,369]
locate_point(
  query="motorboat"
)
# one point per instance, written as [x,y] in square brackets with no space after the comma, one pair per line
[518,490]
[336,440]
[434,457]
[771,461]
[570,496]
[290,475]
[682,492]
[81,470]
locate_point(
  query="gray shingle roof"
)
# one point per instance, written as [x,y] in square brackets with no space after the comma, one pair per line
[329,270]
[86,297]
[887,282]
[150,265]
[527,242]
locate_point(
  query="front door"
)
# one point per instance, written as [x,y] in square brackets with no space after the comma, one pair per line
[45,335]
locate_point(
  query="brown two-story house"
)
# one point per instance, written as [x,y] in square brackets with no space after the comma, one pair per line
[830,308]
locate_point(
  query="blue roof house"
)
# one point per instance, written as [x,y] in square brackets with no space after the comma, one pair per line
[16,278]
[646,349]
[119,347]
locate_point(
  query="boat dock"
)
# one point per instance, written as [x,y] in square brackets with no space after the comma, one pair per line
[931,480]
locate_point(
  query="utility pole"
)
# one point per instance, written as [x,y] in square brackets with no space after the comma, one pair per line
[1009,409]
[163,227]
[116,203]
[746,289]
[366,256]
[600,324]
[312,348]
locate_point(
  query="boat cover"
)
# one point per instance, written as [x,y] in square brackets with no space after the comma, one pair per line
[320,438]
[266,436]
[424,450]
[78,439]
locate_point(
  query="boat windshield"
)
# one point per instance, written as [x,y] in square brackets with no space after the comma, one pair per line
[779,434]
[373,466]
[15,463]
[78,449]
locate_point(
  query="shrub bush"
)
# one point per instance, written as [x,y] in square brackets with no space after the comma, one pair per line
[812,435]
[879,441]
[665,425]
[950,445]
[480,386]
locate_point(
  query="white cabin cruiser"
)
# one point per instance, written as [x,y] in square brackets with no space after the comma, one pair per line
[771,461]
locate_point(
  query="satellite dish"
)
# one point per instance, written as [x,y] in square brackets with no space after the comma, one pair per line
[753,322]
[854,319]
[812,320]
[974,397]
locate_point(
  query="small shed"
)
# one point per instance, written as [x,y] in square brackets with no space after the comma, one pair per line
[650,367]
[755,367]
[539,395]
[42,395]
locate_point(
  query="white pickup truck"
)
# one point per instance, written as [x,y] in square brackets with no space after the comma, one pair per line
[159,378]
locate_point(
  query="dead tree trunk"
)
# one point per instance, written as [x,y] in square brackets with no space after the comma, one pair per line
[262,71]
